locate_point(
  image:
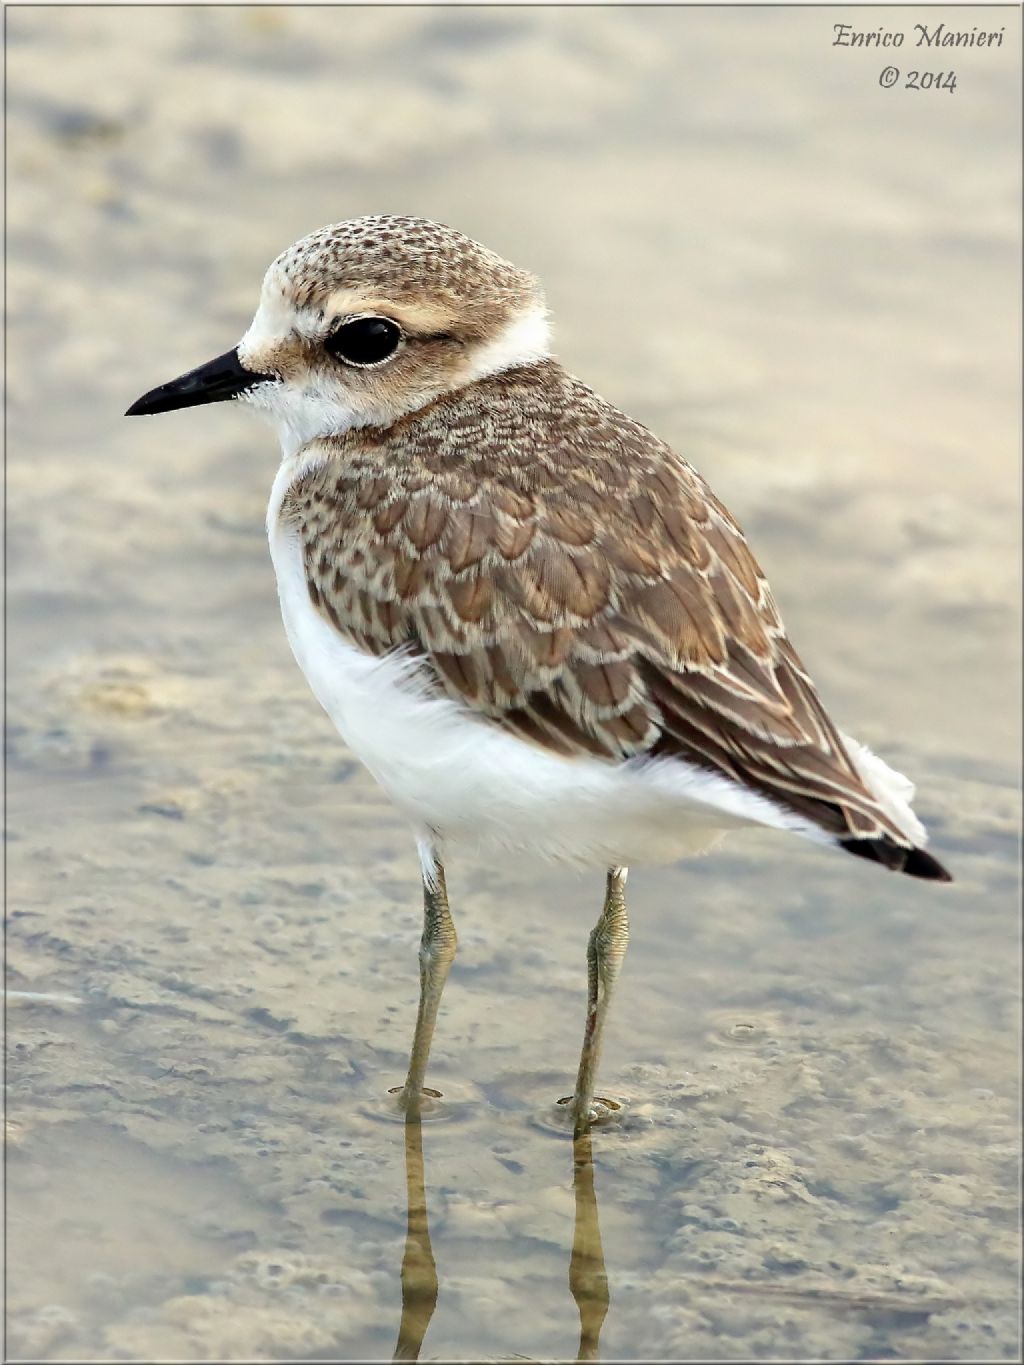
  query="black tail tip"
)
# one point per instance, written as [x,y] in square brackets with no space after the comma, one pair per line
[915,862]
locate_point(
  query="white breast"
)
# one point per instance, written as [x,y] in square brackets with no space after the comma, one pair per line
[463,778]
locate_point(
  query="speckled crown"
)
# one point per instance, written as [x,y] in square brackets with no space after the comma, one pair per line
[404,259]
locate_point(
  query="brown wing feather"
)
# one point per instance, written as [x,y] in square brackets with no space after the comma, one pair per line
[570,578]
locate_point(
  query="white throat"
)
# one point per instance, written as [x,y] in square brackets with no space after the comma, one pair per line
[302,416]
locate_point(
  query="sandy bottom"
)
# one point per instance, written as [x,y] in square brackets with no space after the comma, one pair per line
[807,283]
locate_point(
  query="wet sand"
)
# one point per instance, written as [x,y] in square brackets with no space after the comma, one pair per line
[809,285]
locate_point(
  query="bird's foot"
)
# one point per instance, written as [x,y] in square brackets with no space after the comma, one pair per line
[600,1111]
[427,1103]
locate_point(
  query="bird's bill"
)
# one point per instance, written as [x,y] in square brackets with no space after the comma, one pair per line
[215,382]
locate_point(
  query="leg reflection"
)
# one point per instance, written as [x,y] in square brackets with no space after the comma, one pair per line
[588,1279]
[419,1271]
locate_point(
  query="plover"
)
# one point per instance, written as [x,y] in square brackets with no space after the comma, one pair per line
[529,617]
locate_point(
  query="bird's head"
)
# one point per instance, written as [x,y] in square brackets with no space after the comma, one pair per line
[365,321]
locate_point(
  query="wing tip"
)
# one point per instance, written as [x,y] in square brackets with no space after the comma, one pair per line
[915,862]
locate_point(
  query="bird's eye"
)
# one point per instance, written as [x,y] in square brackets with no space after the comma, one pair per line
[364,341]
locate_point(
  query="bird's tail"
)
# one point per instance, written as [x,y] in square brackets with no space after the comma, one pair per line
[915,862]
[894,793]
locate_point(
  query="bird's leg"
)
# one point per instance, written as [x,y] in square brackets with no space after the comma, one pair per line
[605,951]
[437,949]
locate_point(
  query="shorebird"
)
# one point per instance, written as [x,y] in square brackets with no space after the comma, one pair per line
[531,619]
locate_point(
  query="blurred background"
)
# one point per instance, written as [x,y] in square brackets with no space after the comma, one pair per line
[809,285]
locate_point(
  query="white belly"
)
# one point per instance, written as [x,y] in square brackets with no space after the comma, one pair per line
[461,777]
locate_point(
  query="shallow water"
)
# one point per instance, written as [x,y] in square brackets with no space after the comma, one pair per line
[809,285]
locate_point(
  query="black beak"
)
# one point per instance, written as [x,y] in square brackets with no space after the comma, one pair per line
[214,382]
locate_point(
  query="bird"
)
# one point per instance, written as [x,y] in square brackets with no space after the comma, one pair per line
[528,616]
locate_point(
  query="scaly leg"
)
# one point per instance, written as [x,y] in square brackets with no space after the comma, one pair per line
[437,949]
[605,951]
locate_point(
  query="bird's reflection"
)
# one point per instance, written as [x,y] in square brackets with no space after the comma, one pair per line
[588,1279]
[419,1270]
